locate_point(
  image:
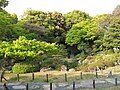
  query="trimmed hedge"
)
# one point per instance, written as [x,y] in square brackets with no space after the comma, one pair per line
[25,67]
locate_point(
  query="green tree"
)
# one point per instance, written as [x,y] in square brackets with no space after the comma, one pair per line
[22,49]
[75,17]
[11,29]
[5,23]
[14,18]
[72,18]
[111,38]
[107,35]
[39,23]
[3,3]
[82,35]
[103,22]
[57,22]
[116,11]
[50,26]
[19,30]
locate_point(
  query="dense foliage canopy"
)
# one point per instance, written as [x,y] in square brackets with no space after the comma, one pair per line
[53,38]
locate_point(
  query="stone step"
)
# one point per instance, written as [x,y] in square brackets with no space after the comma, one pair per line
[20,87]
[112,81]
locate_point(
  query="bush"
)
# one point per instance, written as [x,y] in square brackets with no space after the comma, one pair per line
[101,60]
[93,65]
[25,67]
[54,63]
[82,68]
[108,63]
[72,64]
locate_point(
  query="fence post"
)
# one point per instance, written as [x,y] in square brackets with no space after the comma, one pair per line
[32,75]
[18,77]
[47,77]
[27,86]
[73,85]
[116,81]
[0,78]
[96,73]
[110,73]
[101,71]
[5,87]
[93,84]
[65,77]
[50,86]
[80,75]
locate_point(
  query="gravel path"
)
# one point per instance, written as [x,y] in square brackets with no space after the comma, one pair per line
[59,86]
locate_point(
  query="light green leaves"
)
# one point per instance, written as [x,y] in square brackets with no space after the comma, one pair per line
[21,48]
[81,32]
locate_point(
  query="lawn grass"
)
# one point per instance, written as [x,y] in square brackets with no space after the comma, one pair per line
[115,69]
[53,76]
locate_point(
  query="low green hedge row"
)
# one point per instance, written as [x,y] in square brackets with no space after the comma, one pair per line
[25,67]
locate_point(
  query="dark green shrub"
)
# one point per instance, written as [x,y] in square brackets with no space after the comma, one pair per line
[54,63]
[72,64]
[48,63]
[25,67]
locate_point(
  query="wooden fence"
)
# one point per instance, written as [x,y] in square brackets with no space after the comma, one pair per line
[65,77]
[5,87]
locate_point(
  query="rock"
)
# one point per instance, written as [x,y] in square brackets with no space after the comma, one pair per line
[19,87]
[63,68]
[10,71]
[47,86]
[77,86]
[72,70]
[17,83]
[44,69]
[34,87]
[110,80]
